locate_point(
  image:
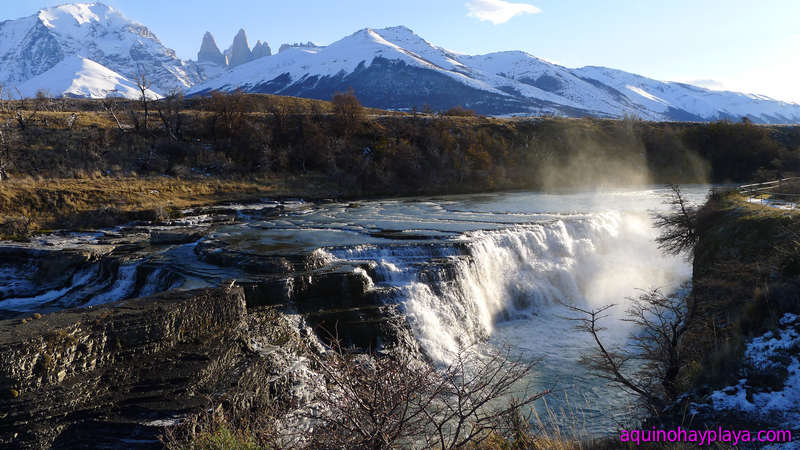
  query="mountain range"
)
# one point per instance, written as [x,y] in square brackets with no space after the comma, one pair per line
[91,50]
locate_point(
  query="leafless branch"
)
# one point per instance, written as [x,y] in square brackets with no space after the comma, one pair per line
[386,401]
[679,226]
[650,365]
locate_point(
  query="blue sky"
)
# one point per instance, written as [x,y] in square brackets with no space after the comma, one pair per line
[751,46]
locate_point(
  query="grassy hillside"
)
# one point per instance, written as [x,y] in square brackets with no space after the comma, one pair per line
[746,268]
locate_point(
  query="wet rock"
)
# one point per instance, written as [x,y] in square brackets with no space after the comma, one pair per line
[174,237]
[126,363]
[217,253]
[338,304]
[28,271]
[113,376]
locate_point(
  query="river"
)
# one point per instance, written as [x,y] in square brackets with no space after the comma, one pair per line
[491,269]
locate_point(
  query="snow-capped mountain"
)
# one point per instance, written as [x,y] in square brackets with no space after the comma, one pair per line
[92,50]
[53,38]
[394,68]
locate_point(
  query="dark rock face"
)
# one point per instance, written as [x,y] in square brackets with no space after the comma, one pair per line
[130,363]
[392,84]
[545,82]
[395,85]
[334,303]
[41,52]
[209,52]
[41,270]
[172,237]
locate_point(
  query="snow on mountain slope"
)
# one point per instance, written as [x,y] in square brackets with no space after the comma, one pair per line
[75,76]
[503,83]
[409,68]
[298,71]
[664,97]
[33,45]
[341,57]
[406,39]
[528,70]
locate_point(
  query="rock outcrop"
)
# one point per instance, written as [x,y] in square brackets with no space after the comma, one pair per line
[240,50]
[113,370]
[301,45]
[261,50]
[114,376]
[209,52]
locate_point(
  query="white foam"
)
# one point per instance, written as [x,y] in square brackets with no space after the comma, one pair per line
[593,259]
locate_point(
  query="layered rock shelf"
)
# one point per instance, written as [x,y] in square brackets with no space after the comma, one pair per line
[116,374]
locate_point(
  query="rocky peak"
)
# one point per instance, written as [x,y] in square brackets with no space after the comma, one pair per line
[240,50]
[209,51]
[261,50]
[302,45]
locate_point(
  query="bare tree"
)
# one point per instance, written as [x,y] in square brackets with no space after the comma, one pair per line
[24,115]
[661,321]
[372,402]
[170,112]
[43,100]
[110,105]
[143,85]
[610,363]
[71,121]
[650,365]
[3,102]
[229,110]
[381,401]
[5,150]
[479,398]
[679,226]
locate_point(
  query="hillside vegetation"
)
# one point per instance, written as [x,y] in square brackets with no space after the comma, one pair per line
[60,158]
[746,267]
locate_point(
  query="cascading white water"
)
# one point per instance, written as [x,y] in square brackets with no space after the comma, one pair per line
[590,260]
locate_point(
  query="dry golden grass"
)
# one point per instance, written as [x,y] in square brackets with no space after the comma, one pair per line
[101,201]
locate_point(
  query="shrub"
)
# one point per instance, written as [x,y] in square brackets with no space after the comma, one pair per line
[18,228]
[348,111]
[459,111]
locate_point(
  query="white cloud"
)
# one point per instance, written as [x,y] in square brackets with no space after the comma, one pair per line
[498,11]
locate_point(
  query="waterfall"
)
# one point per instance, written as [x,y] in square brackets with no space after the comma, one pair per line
[455,294]
[94,284]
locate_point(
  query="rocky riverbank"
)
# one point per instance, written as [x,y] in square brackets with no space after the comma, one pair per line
[116,374]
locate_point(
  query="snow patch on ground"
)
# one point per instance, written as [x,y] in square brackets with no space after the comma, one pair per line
[778,204]
[774,351]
